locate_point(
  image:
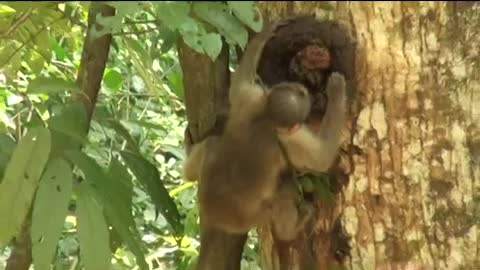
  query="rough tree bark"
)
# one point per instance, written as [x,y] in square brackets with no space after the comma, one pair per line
[410,202]
[90,74]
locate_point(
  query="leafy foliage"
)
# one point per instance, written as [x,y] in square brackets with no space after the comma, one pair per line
[51,204]
[114,194]
[92,230]
[20,181]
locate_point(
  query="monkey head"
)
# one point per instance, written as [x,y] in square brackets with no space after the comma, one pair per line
[288,104]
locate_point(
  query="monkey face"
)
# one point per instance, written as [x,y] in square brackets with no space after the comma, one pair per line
[288,104]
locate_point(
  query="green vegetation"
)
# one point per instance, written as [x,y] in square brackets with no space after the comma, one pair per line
[112,196]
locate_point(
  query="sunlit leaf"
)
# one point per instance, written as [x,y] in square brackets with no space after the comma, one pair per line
[44,85]
[147,174]
[194,42]
[14,99]
[109,25]
[23,5]
[126,7]
[10,59]
[49,212]
[173,13]
[7,146]
[247,13]
[36,63]
[212,44]
[218,15]
[114,23]
[191,222]
[115,205]
[42,42]
[6,10]
[175,80]
[20,180]
[113,79]
[92,230]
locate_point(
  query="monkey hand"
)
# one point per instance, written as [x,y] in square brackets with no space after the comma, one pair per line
[336,88]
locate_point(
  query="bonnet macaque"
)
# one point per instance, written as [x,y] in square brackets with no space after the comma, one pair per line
[239,170]
[315,151]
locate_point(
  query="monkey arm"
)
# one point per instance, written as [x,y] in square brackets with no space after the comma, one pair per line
[316,151]
[246,72]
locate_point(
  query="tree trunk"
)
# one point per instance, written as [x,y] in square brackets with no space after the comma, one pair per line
[410,202]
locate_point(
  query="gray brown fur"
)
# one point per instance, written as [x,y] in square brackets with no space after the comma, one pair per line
[239,171]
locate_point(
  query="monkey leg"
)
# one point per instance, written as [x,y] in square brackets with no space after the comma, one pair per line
[287,217]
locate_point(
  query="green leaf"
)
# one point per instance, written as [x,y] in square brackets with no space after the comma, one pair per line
[122,131]
[110,24]
[42,42]
[173,13]
[113,199]
[212,44]
[194,42]
[44,85]
[6,10]
[49,212]
[92,230]
[175,80]
[246,12]
[60,52]
[113,79]
[191,226]
[147,174]
[14,100]
[218,15]
[126,7]
[168,37]
[36,63]
[7,146]
[68,128]
[123,185]
[10,60]
[113,24]
[20,181]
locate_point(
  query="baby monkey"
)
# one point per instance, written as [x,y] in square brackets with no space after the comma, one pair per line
[315,151]
[239,171]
